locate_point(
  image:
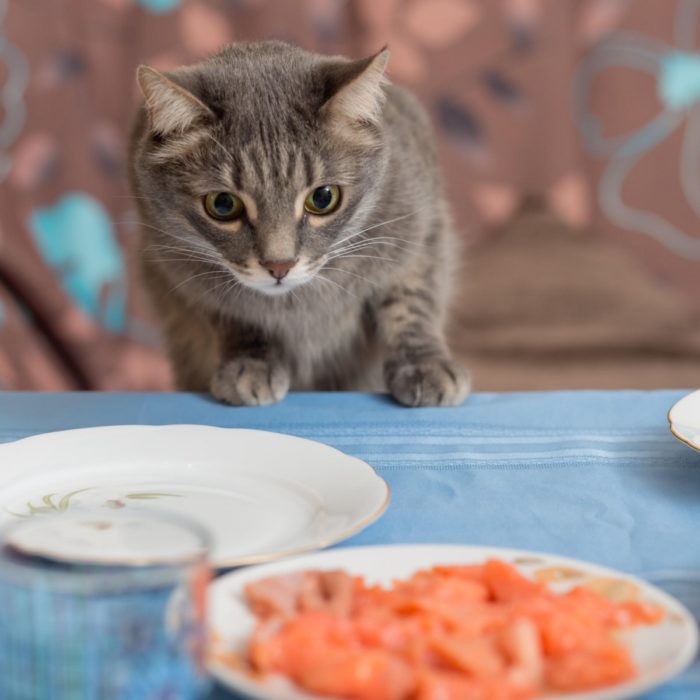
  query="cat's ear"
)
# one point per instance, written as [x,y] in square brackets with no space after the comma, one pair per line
[171,108]
[354,90]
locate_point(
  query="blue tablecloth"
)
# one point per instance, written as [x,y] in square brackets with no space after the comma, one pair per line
[594,475]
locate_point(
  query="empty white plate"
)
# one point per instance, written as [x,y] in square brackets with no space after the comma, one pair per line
[660,651]
[260,495]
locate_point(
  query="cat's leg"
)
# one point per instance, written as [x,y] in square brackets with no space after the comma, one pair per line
[418,369]
[193,351]
[190,337]
[252,371]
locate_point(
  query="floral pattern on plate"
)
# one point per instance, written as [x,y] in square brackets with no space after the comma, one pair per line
[49,505]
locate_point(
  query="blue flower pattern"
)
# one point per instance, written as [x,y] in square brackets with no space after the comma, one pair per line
[76,238]
[677,73]
[159,5]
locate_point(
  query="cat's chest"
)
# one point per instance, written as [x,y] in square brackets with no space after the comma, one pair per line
[311,330]
[321,325]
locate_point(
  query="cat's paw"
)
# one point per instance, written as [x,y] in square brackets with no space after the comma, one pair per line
[250,382]
[436,381]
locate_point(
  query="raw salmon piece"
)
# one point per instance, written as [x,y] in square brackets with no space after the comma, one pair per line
[470,619]
[287,594]
[383,628]
[521,642]
[458,591]
[379,628]
[608,663]
[362,675]
[478,658]
[471,572]
[506,583]
[588,605]
[445,685]
[564,633]
[301,643]
[267,651]
[275,595]
[443,587]
[327,590]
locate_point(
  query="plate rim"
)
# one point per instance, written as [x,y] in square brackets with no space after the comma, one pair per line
[679,664]
[672,424]
[251,559]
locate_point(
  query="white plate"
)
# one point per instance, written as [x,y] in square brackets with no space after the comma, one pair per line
[660,651]
[684,420]
[260,495]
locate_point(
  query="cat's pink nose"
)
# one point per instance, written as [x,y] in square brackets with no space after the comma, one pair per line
[279,270]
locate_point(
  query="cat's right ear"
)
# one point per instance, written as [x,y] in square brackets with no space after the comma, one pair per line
[171,108]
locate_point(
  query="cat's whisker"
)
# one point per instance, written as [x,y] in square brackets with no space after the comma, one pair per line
[191,245]
[368,243]
[219,273]
[187,258]
[182,250]
[319,276]
[175,255]
[184,262]
[387,240]
[381,223]
[184,254]
[369,257]
[400,239]
[225,284]
[233,286]
[200,244]
[354,274]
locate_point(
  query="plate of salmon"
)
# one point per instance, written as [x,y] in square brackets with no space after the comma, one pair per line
[443,622]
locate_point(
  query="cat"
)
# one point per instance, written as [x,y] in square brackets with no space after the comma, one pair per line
[294,230]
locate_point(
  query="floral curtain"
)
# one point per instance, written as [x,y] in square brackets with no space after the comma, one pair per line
[588,106]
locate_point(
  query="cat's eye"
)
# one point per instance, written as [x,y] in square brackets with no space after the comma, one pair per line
[322,200]
[223,206]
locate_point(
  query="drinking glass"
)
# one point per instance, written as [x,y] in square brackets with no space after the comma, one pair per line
[103,608]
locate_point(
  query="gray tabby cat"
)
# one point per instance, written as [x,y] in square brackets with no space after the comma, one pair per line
[295,235]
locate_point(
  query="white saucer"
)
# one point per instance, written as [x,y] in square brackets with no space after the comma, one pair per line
[259,495]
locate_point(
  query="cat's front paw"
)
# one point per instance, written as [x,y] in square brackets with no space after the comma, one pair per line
[436,381]
[250,382]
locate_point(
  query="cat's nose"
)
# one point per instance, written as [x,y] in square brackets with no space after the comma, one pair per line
[279,270]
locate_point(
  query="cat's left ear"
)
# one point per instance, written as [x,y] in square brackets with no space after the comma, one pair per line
[171,108]
[354,90]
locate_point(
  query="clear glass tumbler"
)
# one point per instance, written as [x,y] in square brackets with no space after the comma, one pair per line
[103,608]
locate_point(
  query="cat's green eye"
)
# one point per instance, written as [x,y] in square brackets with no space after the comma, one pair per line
[323,200]
[223,206]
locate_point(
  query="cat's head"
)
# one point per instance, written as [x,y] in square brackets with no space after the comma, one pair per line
[265,155]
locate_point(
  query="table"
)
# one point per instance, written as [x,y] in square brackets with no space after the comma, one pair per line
[593,474]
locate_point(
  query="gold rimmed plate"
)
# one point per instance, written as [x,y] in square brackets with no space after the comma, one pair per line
[684,420]
[260,495]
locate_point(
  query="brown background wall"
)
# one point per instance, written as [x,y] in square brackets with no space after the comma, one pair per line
[563,126]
